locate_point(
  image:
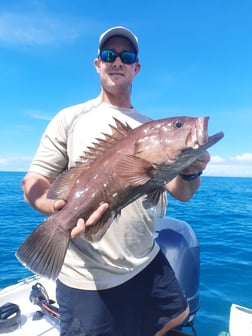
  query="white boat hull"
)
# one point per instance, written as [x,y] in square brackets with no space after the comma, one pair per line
[240,322]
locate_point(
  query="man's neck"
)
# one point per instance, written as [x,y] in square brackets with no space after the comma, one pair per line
[119,100]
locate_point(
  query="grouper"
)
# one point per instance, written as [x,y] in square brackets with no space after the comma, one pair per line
[118,168]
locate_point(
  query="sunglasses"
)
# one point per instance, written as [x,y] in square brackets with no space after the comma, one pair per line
[109,56]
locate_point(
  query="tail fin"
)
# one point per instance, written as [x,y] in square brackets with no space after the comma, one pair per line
[43,252]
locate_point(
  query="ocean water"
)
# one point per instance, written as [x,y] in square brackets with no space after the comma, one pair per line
[220,214]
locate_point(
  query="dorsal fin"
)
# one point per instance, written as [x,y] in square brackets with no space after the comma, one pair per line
[120,131]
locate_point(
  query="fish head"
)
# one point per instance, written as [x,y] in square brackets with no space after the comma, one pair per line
[164,140]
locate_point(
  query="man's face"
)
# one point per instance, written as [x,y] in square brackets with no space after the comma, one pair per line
[116,76]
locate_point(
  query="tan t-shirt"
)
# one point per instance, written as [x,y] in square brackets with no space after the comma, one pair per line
[128,246]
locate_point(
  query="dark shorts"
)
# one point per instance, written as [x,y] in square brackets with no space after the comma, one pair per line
[139,307]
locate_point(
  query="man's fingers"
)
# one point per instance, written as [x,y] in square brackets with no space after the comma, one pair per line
[81,224]
[96,215]
[204,158]
[198,165]
[58,204]
[79,228]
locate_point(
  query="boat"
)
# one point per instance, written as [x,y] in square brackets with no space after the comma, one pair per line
[29,307]
[240,321]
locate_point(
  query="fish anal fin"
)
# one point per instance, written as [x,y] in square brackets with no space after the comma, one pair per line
[96,231]
[135,170]
[44,250]
[156,202]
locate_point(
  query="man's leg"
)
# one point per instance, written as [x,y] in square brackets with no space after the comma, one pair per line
[166,306]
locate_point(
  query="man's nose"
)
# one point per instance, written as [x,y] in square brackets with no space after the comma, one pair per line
[118,61]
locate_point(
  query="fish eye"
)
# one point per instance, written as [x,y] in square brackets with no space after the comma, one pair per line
[178,124]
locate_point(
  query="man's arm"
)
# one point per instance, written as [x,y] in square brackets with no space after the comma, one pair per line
[35,188]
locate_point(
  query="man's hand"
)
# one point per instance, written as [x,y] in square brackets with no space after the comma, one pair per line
[58,205]
[82,224]
[198,165]
[182,189]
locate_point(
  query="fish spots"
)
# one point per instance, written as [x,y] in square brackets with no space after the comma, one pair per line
[79,193]
[168,141]
[158,126]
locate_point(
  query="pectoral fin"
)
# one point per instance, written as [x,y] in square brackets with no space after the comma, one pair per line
[135,170]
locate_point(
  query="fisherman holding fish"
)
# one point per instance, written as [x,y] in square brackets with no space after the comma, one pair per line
[121,283]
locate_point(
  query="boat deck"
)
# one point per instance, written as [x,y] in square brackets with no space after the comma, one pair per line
[19,294]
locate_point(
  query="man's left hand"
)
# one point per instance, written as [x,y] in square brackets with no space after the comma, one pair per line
[198,165]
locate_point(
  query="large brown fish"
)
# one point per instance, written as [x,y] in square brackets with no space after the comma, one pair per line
[117,170]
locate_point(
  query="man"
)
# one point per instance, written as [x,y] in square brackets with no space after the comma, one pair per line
[122,284]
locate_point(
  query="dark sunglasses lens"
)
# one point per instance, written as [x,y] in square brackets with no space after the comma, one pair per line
[108,55]
[128,57]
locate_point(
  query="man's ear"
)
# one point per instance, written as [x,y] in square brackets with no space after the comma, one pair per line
[97,65]
[137,68]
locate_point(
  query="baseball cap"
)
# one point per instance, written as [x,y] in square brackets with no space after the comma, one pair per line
[118,31]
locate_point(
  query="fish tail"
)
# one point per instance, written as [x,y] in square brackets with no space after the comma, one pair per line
[43,252]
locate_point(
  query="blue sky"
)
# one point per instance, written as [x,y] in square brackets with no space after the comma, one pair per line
[196,60]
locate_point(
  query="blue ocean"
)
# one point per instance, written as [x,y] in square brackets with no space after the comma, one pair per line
[221,216]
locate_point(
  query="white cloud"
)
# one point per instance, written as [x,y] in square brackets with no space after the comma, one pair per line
[217,159]
[245,157]
[15,163]
[39,115]
[34,29]
[41,28]
[239,165]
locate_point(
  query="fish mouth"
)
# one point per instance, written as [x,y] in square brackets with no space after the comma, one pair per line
[192,154]
[201,130]
[212,140]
